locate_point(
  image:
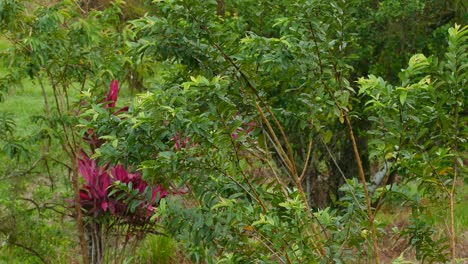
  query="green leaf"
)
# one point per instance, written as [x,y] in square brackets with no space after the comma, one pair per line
[327,136]
[403,95]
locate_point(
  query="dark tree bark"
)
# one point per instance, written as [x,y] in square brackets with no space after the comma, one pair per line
[220,10]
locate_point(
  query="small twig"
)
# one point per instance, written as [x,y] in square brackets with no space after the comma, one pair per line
[28,171]
[339,169]
[61,163]
[79,7]
[236,151]
[269,248]
[280,182]
[370,215]
[44,95]
[306,163]
[278,145]
[38,208]
[453,239]
[33,251]
[281,160]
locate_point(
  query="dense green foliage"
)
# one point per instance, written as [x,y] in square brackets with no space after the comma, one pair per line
[266,120]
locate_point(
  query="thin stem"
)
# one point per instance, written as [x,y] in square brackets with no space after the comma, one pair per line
[71,148]
[341,172]
[306,163]
[79,216]
[252,87]
[289,163]
[283,162]
[267,161]
[34,252]
[453,242]
[364,185]
[44,95]
[275,138]
[387,177]
[236,151]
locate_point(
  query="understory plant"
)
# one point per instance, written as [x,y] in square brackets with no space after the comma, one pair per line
[420,128]
[116,203]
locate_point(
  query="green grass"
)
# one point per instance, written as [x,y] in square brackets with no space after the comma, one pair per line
[23,103]
[26,101]
[4,44]
[157,250]
[461,210]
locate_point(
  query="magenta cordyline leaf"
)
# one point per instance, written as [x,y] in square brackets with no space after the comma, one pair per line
[119,173]
[162,193]
[111,99]
[93,194]
[123,109]
[87,168]
[95,177]
[84,195]
[180,141]
[247,127]
[92,139]
[113,94]
[104,206]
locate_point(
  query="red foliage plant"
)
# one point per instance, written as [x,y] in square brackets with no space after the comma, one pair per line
[110,102]
[114,191]
[180,141]
[246,128]
[102,193]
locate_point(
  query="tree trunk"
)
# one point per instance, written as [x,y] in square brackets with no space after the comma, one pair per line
[95,246]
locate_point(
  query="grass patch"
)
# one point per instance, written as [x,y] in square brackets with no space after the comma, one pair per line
[157,250]
[4,44]
[24,103]
[461,210]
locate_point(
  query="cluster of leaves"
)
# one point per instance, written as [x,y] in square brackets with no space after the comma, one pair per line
[125,195]
[421,127]
[388,33]
[11,145]
[194,146]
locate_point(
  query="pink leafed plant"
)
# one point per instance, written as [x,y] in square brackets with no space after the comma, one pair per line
[104,191]
[94,192]
[100,194]
[113,94]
